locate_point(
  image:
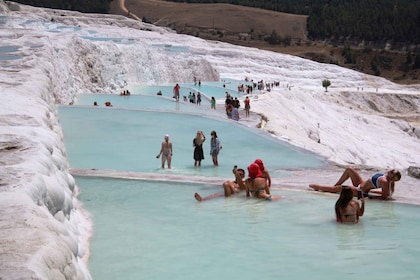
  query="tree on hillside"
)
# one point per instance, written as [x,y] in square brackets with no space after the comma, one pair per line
[417,61]
[274,38]
[326,83]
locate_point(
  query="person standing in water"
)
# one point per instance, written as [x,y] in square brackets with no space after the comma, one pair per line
[213,103]
[166,152]
[176,92]
[215,147]
[247,106]
[198,148]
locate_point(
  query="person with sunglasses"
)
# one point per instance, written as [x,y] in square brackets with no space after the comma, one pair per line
[381,184]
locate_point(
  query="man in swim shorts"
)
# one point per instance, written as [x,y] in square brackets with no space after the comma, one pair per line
[166,151]
[382,184]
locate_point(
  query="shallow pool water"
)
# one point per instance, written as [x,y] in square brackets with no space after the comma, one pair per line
[157,230]
[156,103]
[129,140]
[153,228]
[208,90]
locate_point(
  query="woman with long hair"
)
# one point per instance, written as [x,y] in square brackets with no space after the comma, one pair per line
[381,185]
[215,147]
[348,210]
[198,148]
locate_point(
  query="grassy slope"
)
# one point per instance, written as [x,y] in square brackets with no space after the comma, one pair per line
[247,26]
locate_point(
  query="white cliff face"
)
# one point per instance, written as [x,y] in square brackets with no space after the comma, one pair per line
[42,227]
[43,230]
[40,217]
[50,59]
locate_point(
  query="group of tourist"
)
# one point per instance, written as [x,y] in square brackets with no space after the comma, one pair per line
[195,99]
[347,210]
[166,150]
[257,184]
[107,104]
[378,186]
[232,106]
[125,92]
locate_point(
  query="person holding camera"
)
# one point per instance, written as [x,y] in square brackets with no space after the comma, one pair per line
[198,148]
[229,187]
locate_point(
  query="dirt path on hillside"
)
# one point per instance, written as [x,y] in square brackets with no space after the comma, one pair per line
[249,27]
[122,9]
[220,17]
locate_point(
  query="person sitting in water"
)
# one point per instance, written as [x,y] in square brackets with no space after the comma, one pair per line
[229,187]
[264,171]
[348,210]
[256,184]
[382,184]
[232,187]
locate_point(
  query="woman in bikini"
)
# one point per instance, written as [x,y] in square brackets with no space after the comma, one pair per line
[166,151]
[348,210]
[256,184]
[264,171]
[382,184]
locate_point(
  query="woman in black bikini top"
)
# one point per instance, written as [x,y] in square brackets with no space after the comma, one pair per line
[348,210]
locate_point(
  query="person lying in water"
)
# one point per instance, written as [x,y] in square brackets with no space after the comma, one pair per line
[256,184]
[381,184]
[229,187]
[348,210]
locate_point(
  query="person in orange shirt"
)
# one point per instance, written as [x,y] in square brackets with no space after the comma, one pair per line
[176,92]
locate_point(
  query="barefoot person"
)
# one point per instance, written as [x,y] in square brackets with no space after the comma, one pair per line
[215,147]
[176,92]
[348,210]
[382,184]
[198,148]
[166,151]
[229,187]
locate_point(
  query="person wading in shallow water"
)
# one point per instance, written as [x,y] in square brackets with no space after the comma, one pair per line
[166,151]
[176,92]
[215,147]
[348,210]
[198,148]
